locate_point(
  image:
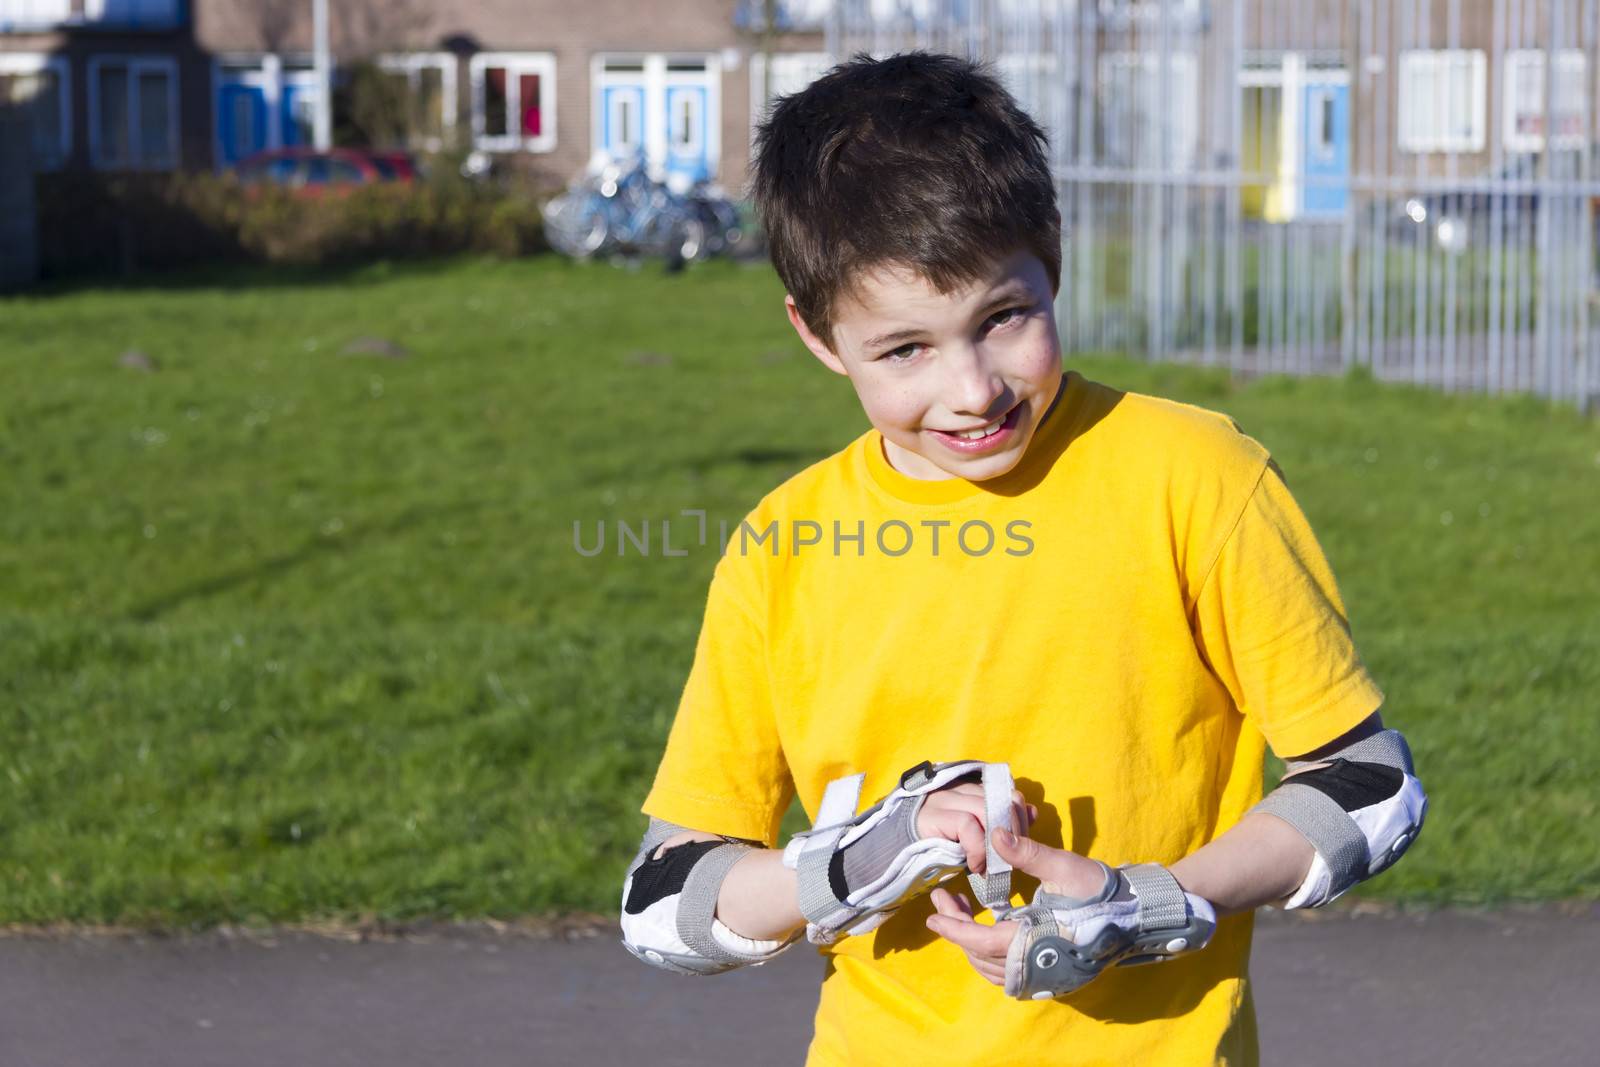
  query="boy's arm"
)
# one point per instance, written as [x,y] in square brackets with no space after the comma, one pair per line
[700,902]
[758,899]
[1263,859]
[1267,858]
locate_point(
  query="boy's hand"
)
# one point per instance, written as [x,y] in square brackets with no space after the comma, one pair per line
[1058,871]
[957,814]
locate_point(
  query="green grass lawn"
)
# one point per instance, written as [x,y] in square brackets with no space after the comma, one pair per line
[287,634]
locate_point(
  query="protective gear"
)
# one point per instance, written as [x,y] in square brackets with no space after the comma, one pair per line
[1360,813]
[1140,915]
[855,870]
[669,906]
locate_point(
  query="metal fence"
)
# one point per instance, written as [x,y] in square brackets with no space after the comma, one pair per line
[1309,186]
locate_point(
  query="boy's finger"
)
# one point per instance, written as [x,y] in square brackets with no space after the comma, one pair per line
[993,941]
[1025,854]
[972,840]
[938,816]
[948,903]
[992,971]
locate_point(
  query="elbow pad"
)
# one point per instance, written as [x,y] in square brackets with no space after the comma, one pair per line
[855,870]
[669,906]
[1360,812]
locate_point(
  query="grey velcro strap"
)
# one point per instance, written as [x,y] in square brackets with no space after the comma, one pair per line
[814,892]
[1386,747]
[1162,905]
[1320,819]
[697,907]
[838,807]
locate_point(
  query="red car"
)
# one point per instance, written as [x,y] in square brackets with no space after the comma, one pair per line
[309,172]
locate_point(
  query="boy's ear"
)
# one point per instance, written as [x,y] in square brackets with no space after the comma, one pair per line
[823,353]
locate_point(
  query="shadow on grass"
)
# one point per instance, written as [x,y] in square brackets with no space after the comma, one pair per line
[245,275]
[314,548]
[266,276]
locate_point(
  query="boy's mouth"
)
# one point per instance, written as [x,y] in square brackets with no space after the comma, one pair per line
[984,438]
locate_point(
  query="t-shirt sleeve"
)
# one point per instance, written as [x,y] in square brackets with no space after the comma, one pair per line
[1270,623]
[724,770]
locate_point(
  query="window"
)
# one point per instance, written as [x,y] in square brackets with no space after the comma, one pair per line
[330,170]
[513,102]
[624,123]
[1442,101]
[40,84]
[133,112]
[429,82]
[1149,109]
[1524,100]
[1322,115]
[132,14]
[22,15]
[791,72]
[663,106]
[684,132]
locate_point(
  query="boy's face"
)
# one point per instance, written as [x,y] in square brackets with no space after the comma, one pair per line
[931,368]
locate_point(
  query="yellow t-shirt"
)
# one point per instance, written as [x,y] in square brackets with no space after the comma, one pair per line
[1125,618]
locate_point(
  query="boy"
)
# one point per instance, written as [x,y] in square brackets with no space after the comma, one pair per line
[1111,595]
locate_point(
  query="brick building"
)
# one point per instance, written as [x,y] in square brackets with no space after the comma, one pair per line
[544,84]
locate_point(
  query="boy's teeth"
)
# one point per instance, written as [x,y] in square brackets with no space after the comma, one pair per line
[974,435]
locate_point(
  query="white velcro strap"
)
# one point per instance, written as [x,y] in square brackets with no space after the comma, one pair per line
[834,815]
[839,802]
[993,887]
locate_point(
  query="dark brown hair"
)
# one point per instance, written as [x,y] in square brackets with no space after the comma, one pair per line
[917,160]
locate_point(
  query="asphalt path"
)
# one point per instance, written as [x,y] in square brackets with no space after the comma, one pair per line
[1457,988]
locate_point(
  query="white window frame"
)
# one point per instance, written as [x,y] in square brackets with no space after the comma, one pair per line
[22,16]
[1148,10]
[136,65]
[1569,61]
[412,64]
[35,63]
[517,64]
[1424,125]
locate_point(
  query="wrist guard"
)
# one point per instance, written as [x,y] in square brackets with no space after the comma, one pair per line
[854,870]
[1140,915]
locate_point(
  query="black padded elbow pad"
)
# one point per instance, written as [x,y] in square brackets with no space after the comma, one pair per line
[656,879]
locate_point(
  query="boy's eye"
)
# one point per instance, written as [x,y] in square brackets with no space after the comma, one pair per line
[1000,318]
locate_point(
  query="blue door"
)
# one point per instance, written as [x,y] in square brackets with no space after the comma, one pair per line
[687,148]
[241,121]
[622,119]
[1326,151]
[295,104]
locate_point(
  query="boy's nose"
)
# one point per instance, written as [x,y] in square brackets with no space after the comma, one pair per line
[975,386]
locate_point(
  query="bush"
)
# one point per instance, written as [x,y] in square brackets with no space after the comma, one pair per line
[97,224]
